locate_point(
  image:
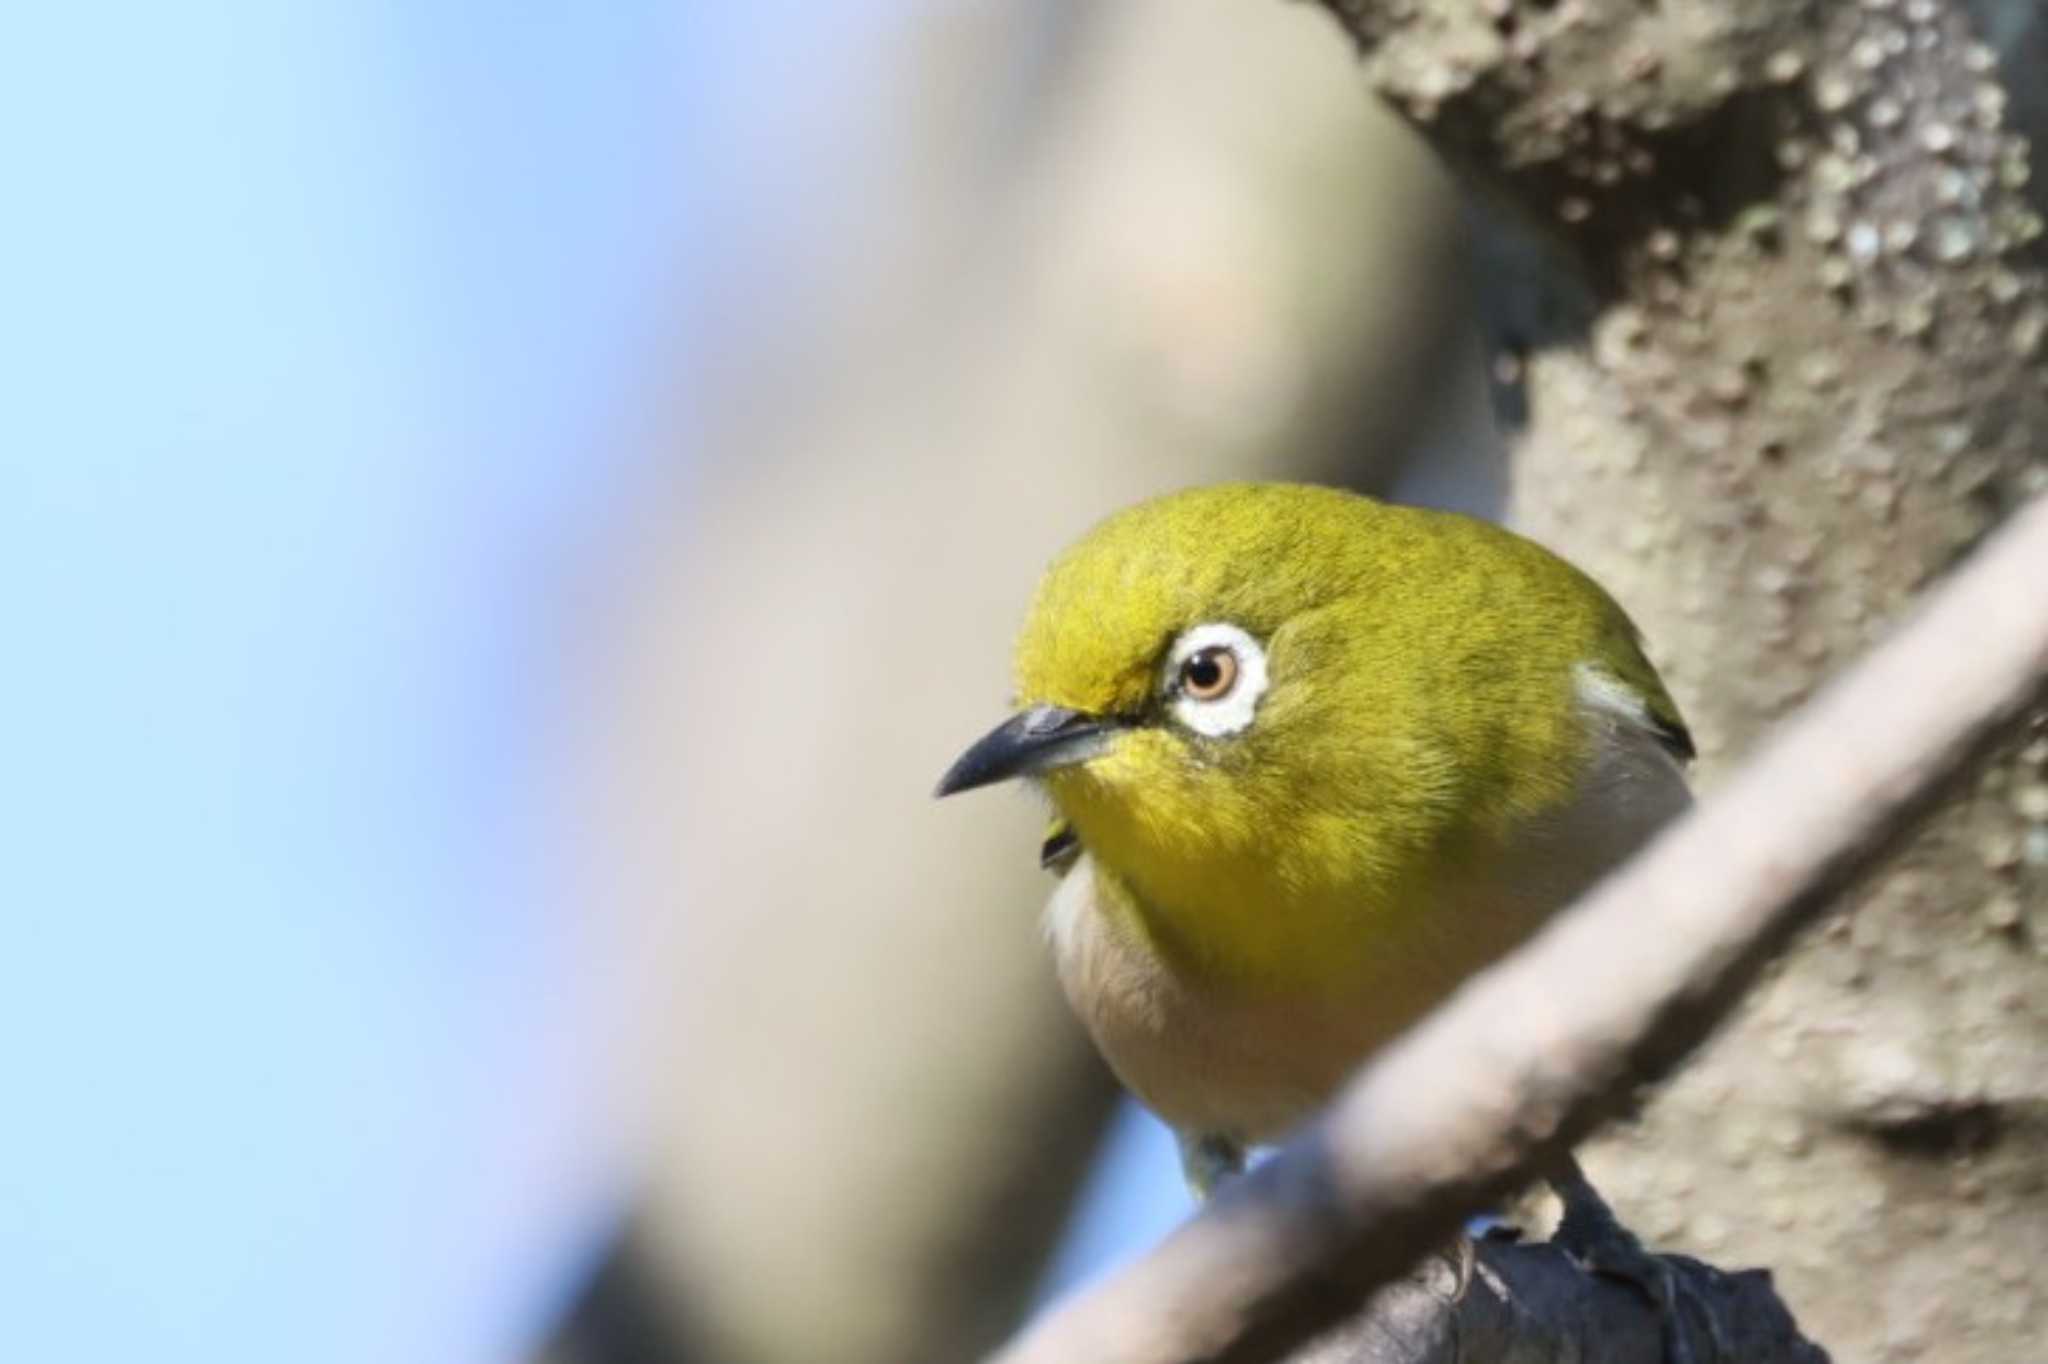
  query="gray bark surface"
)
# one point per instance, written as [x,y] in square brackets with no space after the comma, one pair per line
[1767,290]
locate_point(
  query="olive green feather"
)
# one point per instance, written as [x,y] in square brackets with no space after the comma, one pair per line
[1423,705]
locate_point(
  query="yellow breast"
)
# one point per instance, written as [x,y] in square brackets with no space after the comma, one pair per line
[1251,1055]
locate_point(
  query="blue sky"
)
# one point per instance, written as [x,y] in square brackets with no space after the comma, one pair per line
[324,321]
[317,317]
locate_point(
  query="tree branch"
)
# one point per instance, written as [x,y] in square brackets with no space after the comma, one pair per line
[1531,1056]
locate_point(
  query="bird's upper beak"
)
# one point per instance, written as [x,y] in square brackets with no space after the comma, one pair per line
[1034,740]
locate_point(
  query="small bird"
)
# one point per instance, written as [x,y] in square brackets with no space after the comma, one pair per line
[1314,761]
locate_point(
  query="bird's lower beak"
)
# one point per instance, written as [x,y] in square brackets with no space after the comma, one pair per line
[1034,740]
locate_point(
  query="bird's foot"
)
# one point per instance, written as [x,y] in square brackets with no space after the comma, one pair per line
[1207,1159]
[1591,1234]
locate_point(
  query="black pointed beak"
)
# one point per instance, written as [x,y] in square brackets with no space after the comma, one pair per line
[1034,740]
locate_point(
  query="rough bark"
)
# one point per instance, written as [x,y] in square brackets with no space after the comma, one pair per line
[1770,313]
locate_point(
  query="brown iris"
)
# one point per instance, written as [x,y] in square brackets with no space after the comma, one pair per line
[1209,674]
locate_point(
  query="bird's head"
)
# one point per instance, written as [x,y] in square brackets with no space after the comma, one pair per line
[1244,697]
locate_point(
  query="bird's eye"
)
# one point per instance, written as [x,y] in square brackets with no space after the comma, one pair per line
[1209,674]
[1212,678]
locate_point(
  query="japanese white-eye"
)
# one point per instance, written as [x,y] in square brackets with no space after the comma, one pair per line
[1315,760]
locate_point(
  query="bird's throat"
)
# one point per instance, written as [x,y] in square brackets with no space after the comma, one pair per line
[1239,938]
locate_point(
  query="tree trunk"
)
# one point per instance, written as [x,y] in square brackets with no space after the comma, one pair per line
[1767,292]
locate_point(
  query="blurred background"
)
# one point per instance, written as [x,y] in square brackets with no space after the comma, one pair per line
[504,515]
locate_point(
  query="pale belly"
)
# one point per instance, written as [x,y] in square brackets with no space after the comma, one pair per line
[1251,1064]
[1245,1062]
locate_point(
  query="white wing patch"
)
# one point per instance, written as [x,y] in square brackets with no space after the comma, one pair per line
[1632,752]
[1601,691]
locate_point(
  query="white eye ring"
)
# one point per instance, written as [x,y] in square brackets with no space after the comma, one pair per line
[1233,710]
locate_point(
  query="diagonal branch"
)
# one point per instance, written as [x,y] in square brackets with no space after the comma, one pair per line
[1532,1055]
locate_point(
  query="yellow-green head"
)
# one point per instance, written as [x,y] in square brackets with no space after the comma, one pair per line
[1276,715]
